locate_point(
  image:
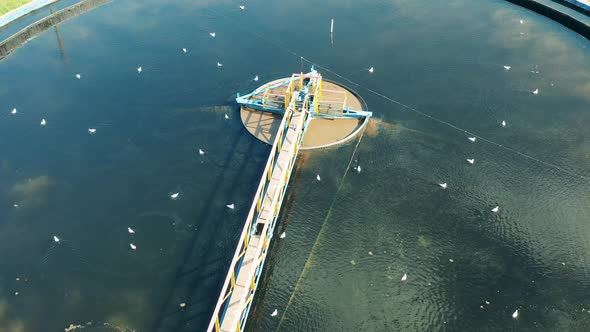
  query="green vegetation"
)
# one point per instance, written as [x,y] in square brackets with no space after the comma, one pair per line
[8,5]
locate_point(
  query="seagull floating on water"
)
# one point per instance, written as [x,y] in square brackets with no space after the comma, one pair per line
[174,196]
[318,177]
[16,206]
[471,161]
[201,152]
[256,78]
[219,65]
[242,7]
[503,123]
[91,130]
[131,231]
[139,69]
[496,209]
[521,21]
[405,277]
[283,234]
[371,70]
[43,122]
[472,139]
[231,206]
[443,185]
[212,34]
[182,305]
[507,67]
[515,314]
[133,247]
[55,239]
[13,111]
[274,313]
[78,76]
[226,116]
[183,50]
[536,92]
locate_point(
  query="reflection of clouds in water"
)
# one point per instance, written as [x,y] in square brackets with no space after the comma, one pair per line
[33,191]
[7,323]
[583,90]
[565,70]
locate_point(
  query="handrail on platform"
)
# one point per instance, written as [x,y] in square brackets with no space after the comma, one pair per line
[249,227]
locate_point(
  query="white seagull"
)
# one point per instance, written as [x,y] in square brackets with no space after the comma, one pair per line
[55,239]
[130,230]
[91,130]
[521,21]
[174,196]
[13,111]
[78,76]
[471,161]
[358,168]
[443,185]
[274,313]
[318,177]
[495,209]
[231,206]
[507,67]
[371,70]
[405,277]
[515,314]
[242,7]
[472,139]
[201,152]
[503,123]
[212,34]
[139,69]
[226,116]
[219,65]
[133,247]
[43,122]
[256,78]
[536,92]
[283,234]
[183,50]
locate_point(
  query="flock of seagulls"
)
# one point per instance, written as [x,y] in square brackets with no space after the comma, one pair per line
[175,196]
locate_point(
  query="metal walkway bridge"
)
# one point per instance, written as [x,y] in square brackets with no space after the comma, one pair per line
[299,100]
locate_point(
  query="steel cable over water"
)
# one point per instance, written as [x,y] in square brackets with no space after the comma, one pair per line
[322,228]
[385,97]
[405,106]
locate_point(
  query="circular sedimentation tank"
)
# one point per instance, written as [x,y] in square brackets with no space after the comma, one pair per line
[321,132]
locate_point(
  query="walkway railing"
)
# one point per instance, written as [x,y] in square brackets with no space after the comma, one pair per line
[251,225]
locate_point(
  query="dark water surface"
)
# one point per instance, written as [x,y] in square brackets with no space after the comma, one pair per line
[442,58]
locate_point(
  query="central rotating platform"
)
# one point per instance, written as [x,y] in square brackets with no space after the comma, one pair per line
[326,130]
